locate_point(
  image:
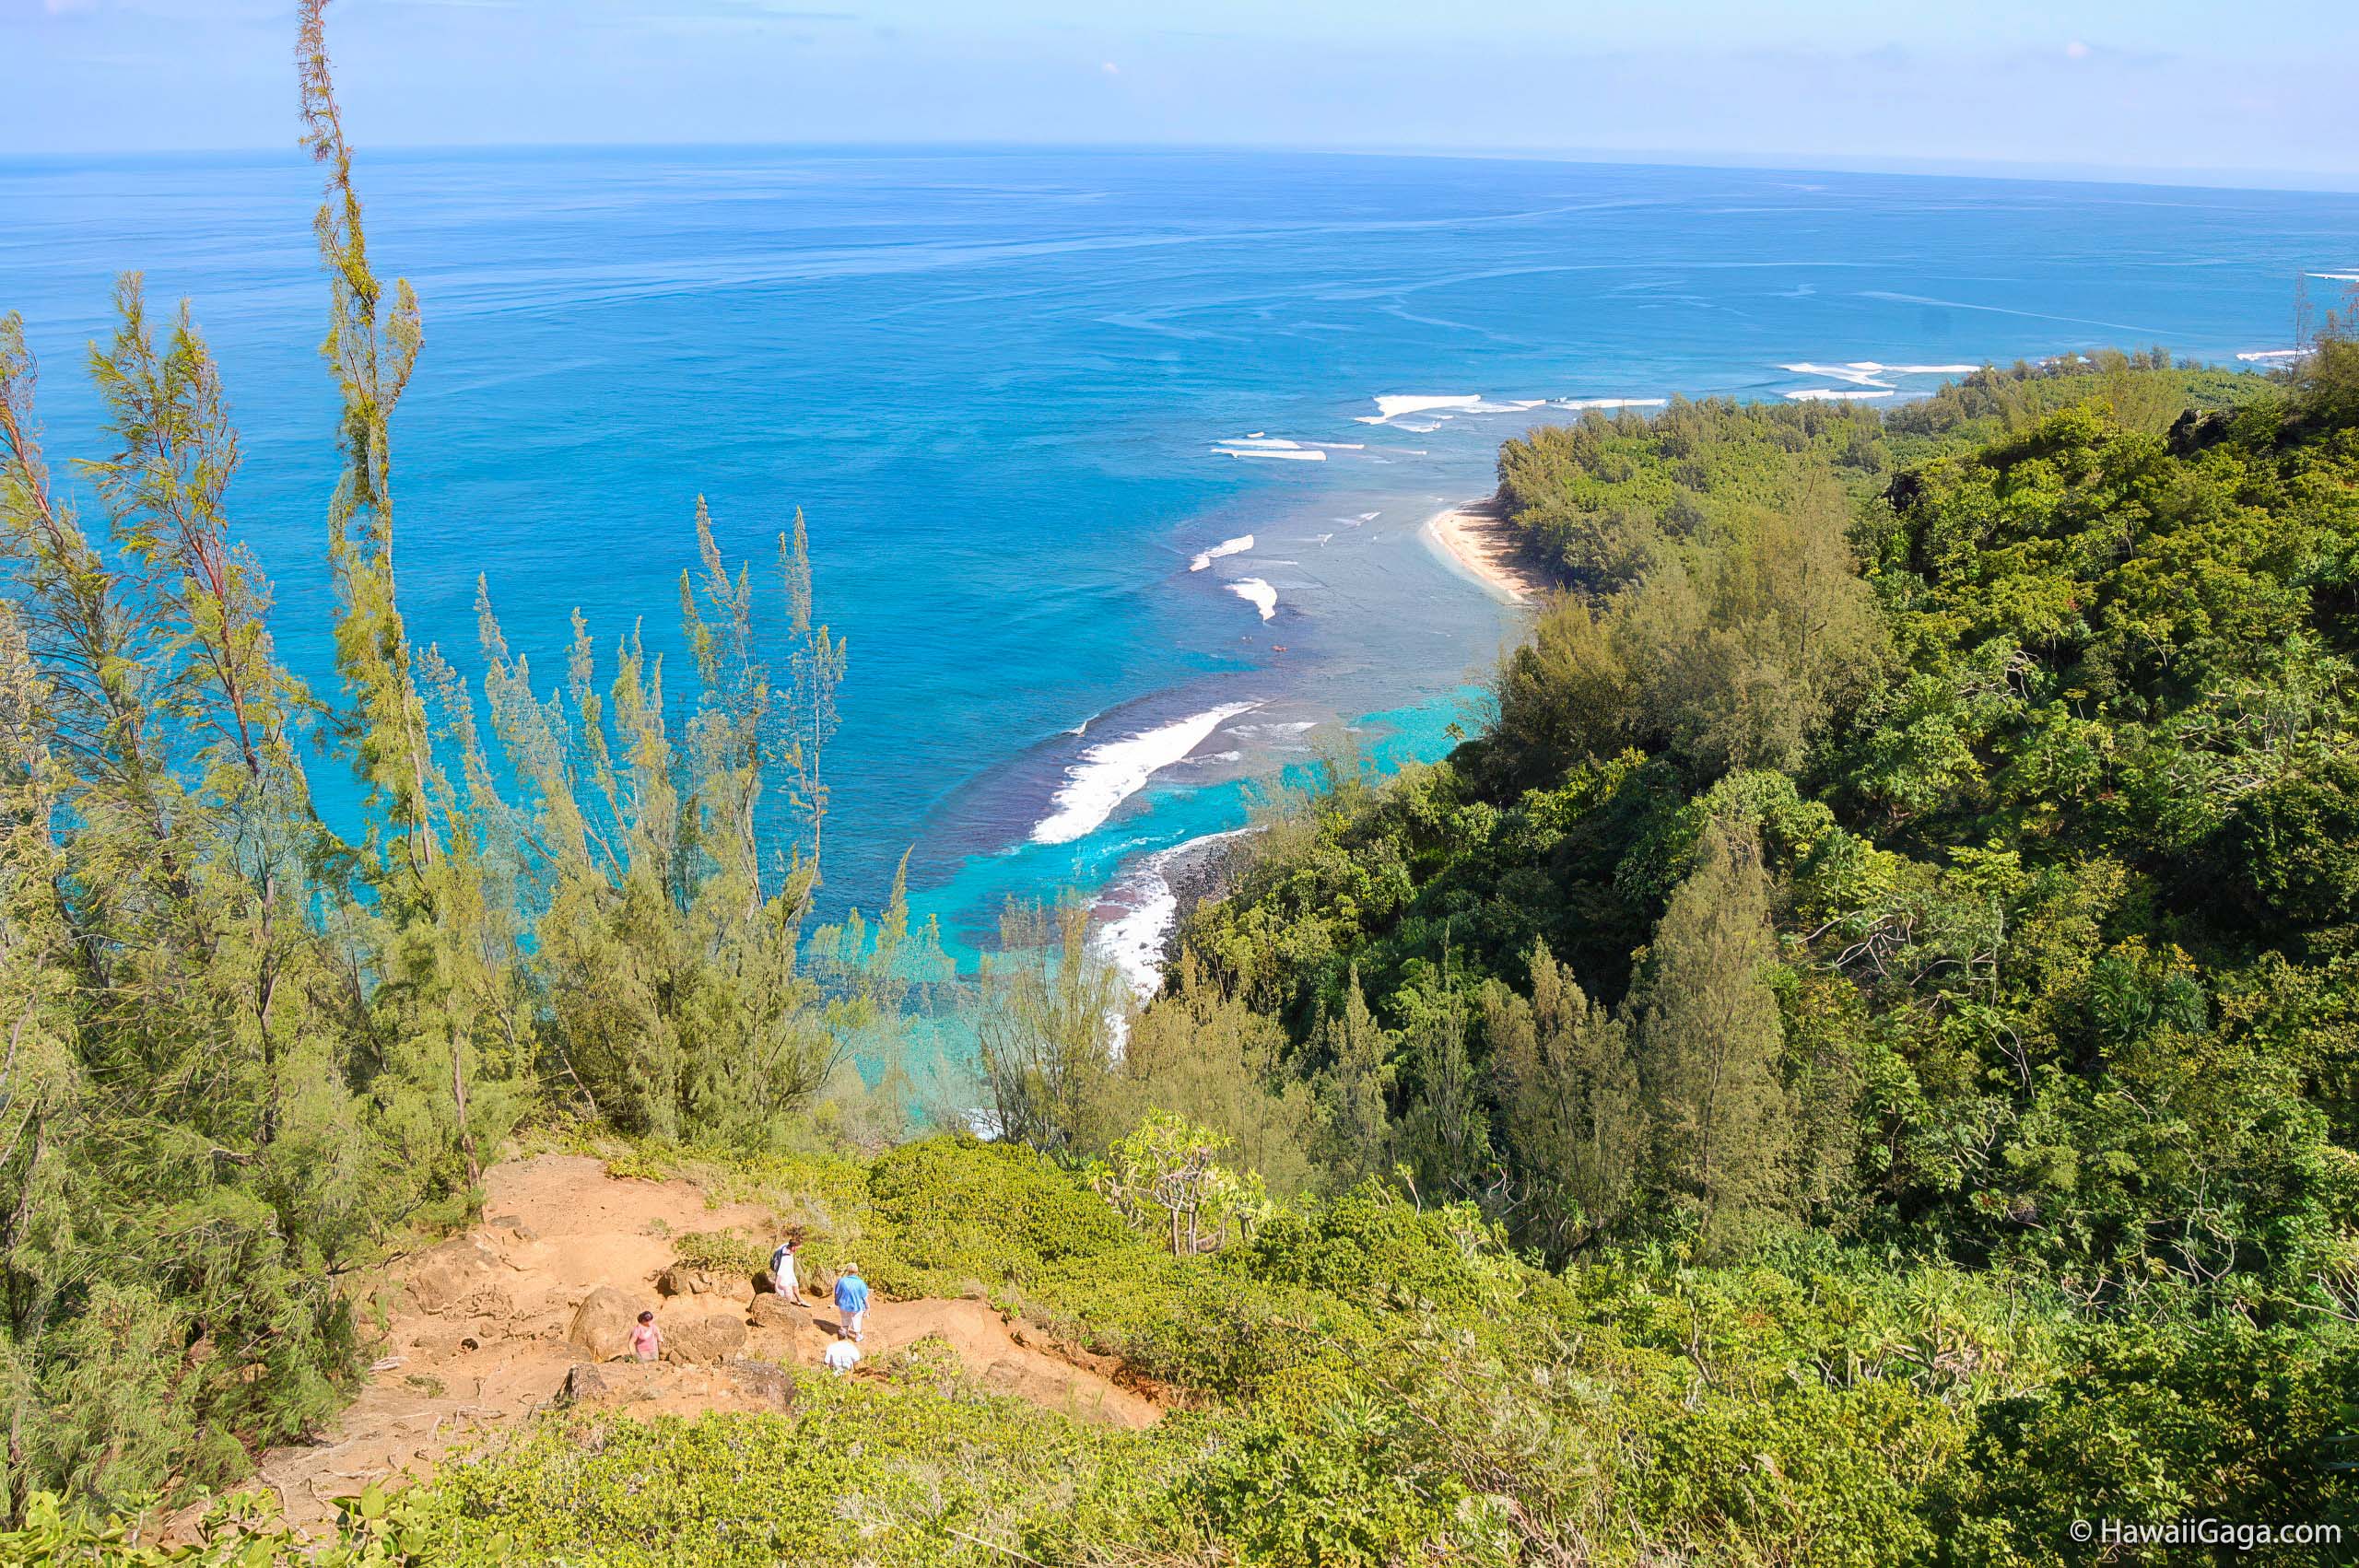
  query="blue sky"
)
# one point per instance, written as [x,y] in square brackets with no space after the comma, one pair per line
[2256,90]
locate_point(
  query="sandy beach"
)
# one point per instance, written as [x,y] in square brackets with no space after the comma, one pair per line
[1476,536]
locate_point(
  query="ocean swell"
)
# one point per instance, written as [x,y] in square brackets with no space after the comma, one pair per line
[1225,547]
[1112,771]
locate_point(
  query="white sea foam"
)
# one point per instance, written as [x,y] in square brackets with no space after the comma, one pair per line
[1256,593]
[1133,942]
[1612,402]
[1831,394]
[1285,727]
[1259,439]
[2259,355]
[1858,375]
[1225,547]
[1371,516]
[1915,370]
[1295,453]
[1392,407]
[2337,276]
[1112,771]
[1324,537]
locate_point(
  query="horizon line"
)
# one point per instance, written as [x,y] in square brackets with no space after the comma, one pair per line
[2272,181]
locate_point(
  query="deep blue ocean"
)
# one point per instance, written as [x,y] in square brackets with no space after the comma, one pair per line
[999,385]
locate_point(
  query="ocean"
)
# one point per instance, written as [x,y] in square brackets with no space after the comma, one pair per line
[1035,405]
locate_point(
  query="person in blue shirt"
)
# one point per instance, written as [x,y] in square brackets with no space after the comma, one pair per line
[851,1300]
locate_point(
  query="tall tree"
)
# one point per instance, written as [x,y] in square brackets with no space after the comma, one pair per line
[1571,1121]
[1708,1043]
[1357,1087]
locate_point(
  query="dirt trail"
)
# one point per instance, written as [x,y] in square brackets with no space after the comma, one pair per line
[489,1329]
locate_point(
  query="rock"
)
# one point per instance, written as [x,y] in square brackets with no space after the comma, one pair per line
[458,1278]
[583,1385]
[765,1382]
[689,1280]
[777,1311]
[706,1340]
[602,1324]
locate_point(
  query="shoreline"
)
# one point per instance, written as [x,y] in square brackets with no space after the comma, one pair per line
[1138,911]
[1476,538]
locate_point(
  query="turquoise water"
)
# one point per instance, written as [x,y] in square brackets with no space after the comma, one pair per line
[997,383]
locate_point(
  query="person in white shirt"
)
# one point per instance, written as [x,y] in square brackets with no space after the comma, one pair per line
[842,1355]
[783,1270]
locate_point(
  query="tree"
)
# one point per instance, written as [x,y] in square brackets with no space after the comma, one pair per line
[1572,1124]
[1201,1053]
[1445,1133]
[1357,1088]
[1048,1009]
[1709,1041]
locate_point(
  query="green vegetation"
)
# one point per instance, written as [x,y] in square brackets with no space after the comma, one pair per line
[1855,1067]
[244,1051]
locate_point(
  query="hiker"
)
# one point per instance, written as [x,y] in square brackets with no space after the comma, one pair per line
[647,1339]
[782,1269]
[842,1355]
[852,1301]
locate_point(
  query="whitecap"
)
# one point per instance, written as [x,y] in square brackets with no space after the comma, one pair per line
[1298,454]
[1257,439]
[2337,276]
[1612,402]
[1861,374]
[1324,537]
[1256,593]
[2259,355]
[1393,406]
[1112,771]
[1371,516]
[1830,394]
[1225,547]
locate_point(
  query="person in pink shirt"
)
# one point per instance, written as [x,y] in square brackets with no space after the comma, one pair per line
[647,1339]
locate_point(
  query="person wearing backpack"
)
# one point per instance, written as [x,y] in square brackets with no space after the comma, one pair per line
[783,1278]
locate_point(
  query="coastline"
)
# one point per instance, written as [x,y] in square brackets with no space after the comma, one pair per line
[1476,538]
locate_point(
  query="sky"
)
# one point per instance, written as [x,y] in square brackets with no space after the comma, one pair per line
[2253,92]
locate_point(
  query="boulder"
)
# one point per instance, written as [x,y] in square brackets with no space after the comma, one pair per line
[602,1324]
[777,1311]
[583,1385]
[691,1280]
[704,1340]
[762,1381]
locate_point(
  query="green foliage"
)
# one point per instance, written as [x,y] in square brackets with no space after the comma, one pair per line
[728,1252]
[2015,939]
[246,1053]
